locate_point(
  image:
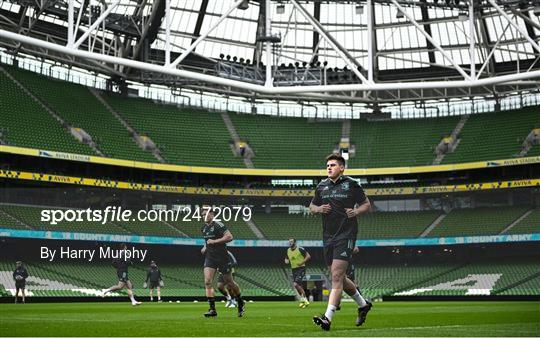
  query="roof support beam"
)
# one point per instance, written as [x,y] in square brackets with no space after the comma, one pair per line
[94,26]
[342,52]
[191,48]
[486,44]
[200,19]
[430,38]
[515,25]
[257,51]
[373,64]
[427,27]
[317,16]
[529,24]
[268,32]
[496,80]
[472,57]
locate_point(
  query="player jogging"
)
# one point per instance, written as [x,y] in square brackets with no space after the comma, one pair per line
[154,281]
[351,269]
[297,257]
[121,264]
[339,199]
[222,286]
[351,273]
[19,275]
[216,258]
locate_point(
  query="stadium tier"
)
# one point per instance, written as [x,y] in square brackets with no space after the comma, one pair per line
[184,136]
[31,217]
[196,137]
[395,224]
[534,151]
[8,221]
[470,279]
[89,278]
[528,225]
[147,228]
[495,135]
[81,109]
[25,123]
[478,221]
[60,278]
[280,225]
[398,143]
[192,228]
[385,280]
[294,143]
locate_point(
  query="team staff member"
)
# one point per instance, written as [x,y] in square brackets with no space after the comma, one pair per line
[19,275]
[154,280]
[216,236]
[340,200]
[297,257]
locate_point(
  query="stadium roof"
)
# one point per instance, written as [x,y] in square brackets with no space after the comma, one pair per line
[357,51]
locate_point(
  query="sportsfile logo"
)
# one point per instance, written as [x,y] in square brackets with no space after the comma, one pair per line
[120,214]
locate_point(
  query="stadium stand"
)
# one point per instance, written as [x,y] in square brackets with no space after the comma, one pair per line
[377,280]
[7,221]
[72,278]
[395,224]
[481,137]
[263,280]
[25,216]
[529,287]
[398,143]
[528,225]
[507,276]
[281,225]
[184,136]
[81,109]
[147,228]
[31,216]
[477,221]
[196,137]
[294,143]
[25,123]
[238,228]
[534,151]
[79,279]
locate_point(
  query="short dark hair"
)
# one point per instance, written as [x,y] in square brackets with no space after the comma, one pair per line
[338,158]
[294,239]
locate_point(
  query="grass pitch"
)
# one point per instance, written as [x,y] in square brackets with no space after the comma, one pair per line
[270,319]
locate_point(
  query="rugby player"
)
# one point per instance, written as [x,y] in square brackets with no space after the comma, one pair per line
[216,259]
[297,257]
[121,265]
[221,286]
[340,200]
